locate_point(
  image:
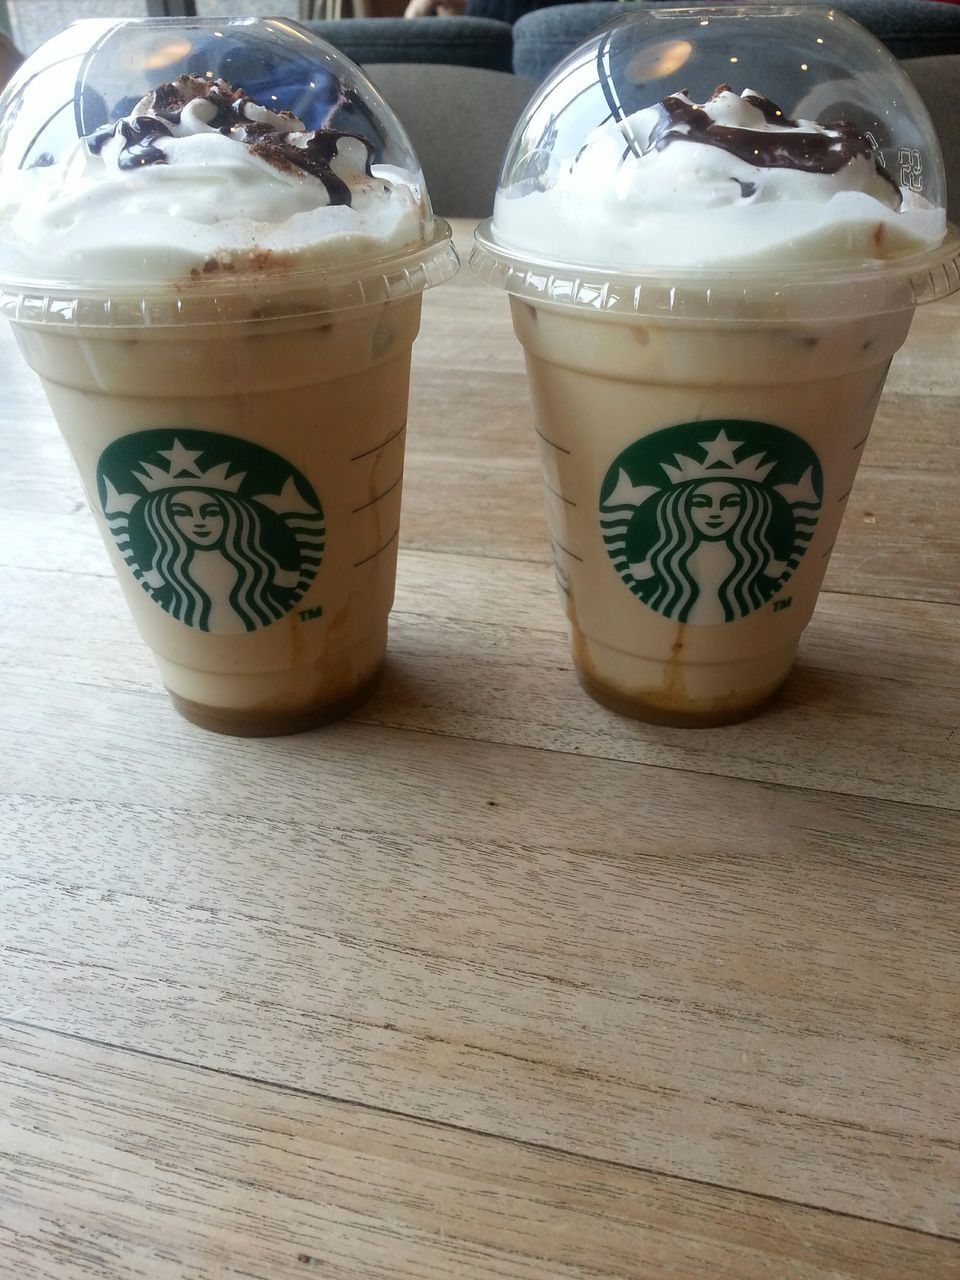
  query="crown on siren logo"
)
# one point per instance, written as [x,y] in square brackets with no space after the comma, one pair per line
[719,461]
[183,468]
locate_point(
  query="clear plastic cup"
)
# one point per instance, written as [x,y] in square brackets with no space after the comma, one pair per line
[701,411]
[234,392]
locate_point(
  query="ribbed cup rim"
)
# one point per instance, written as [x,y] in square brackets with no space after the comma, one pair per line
[814,294]
[236,297]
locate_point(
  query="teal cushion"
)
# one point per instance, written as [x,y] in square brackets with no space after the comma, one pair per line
[909,29]
[464,42]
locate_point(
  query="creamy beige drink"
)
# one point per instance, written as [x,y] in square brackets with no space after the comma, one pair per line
[720,527]
[708,294]
[260,576]
[231,374]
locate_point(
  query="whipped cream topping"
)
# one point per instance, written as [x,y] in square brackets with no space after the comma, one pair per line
[731,183]
[197,179]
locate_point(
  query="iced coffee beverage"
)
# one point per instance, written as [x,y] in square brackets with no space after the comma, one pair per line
[220,299]
[709,291]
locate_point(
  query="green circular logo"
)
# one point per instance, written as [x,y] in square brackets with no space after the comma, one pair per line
[706,521]
[224,535]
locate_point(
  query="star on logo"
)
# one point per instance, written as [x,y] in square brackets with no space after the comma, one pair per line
[719,461]
[288,502]
[181,460]
[720,450]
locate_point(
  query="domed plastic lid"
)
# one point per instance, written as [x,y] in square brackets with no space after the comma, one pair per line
[167,170]
[737,162]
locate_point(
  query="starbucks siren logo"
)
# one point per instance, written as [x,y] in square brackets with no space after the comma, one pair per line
[224,535]
[705,522]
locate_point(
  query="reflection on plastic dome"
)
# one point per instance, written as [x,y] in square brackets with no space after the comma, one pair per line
[815,64]
[83,83]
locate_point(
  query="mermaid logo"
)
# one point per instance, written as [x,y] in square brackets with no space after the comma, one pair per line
[224,535]
[705,522]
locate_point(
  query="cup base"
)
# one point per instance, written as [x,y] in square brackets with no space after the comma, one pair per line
[677,692]
[637,707]
[266,722]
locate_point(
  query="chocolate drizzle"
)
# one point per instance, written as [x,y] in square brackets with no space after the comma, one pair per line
[825,150]
[139,135]
[233,116]
[315,158]
[769,110]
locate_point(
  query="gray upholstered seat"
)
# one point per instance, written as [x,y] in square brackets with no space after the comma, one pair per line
[10,59]
[937,80]
[459,120]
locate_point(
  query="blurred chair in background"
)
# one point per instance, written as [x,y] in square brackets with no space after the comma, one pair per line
[937,80]
[10,59]
[459,120]
[466,42]
[909,28]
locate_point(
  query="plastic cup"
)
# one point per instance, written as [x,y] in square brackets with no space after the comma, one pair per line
[699,432]
[710,628]
[240,436]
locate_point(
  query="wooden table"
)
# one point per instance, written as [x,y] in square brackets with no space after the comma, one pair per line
[486,982]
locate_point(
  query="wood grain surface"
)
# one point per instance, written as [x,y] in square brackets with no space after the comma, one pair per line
[487,981]
[211,1174]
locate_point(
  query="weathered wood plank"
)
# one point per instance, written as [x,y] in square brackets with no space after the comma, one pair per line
[211,1175]
[664,969]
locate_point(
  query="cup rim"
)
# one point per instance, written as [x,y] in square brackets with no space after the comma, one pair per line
[235,297]
[812,293]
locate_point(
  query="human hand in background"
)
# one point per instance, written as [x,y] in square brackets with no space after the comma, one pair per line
[438,8]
